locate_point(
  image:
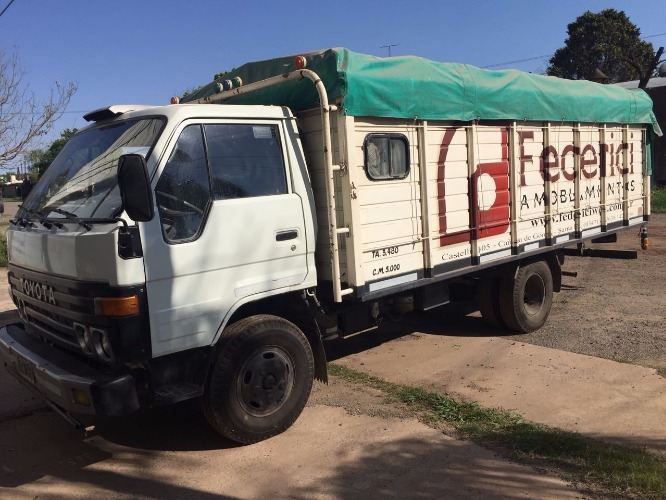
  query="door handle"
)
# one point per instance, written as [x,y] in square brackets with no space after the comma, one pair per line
[286,235]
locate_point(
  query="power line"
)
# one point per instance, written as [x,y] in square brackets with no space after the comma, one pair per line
[654,36]
[517,61]
[547,55]
[7,6]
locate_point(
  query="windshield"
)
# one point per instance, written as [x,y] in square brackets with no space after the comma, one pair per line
[82,180]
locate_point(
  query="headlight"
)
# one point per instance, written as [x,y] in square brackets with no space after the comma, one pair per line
[84,337]
[102,344]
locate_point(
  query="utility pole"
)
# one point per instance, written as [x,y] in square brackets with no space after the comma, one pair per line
[389,47]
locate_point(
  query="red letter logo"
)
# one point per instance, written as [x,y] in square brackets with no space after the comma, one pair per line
[488,195]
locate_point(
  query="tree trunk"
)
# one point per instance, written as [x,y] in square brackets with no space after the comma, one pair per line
[645,78]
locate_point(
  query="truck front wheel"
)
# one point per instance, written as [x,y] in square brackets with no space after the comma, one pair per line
[260,381]
[525,301]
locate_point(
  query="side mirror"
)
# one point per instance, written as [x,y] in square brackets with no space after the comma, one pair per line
[134,187]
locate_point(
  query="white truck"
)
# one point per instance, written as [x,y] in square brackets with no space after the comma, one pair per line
[209,249]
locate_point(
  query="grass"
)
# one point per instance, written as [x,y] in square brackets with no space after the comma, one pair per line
[4,223]
[617,469]
[3,252]
[658,205]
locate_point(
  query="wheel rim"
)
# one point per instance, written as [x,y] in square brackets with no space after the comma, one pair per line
[265,381]
[535,294]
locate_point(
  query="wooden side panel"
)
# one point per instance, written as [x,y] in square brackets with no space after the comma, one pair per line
[590,180]
[490,192]
[448,175]
[612,177]
[634,180]
[560,167]
[311,137]
[389,225]
[532,200]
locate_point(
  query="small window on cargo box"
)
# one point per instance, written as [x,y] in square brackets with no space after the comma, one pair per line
[386,156]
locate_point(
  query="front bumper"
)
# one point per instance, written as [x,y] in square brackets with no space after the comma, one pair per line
[63,380]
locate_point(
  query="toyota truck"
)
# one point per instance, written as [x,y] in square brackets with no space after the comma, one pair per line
[210,248]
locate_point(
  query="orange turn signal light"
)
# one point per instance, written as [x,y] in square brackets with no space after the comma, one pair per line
[117,306]
[300,62]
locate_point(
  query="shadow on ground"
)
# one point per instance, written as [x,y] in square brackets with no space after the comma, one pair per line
[453,320]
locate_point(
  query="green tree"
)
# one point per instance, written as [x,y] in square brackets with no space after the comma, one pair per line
[609,41]
[40,159]
[23,119]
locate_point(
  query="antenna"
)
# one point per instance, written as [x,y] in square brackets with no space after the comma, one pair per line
[389,47]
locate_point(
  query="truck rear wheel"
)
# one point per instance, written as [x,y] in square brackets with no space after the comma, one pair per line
[489,301]
[525,301]
[260,381]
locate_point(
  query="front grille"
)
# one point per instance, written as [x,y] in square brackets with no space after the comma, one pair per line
[50,306]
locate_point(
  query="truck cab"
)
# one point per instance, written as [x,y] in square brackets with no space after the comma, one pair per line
[118,314]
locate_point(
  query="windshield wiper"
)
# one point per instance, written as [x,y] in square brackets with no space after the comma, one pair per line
[72,217]
[87,222]
[24,221]
[48,222]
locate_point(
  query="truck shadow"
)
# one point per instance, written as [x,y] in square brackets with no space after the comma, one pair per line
[179,427]
[420,462]
[453,320]
[182,427]
[44,457]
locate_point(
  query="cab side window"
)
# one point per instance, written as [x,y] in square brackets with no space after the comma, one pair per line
[183,190]
[245,160]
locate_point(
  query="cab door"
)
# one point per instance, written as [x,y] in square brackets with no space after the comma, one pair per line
[227,227]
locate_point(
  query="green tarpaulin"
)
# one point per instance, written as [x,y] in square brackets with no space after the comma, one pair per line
[413,87]
[409,86]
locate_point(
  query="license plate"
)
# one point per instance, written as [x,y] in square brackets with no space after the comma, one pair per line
[26,370]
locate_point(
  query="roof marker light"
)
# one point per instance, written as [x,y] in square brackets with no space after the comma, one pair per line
[175,100]
[300,62]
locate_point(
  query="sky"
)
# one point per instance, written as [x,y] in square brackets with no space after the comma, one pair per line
[145,51]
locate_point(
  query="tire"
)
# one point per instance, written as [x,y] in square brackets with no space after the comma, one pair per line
[525,301]
[260,381]
[489,301]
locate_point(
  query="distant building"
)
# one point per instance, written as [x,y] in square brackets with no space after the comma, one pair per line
[656,89]
[11,190]
[12,186]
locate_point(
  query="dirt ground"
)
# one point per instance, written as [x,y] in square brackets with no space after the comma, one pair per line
[614,309]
